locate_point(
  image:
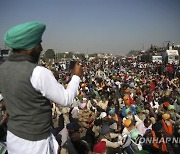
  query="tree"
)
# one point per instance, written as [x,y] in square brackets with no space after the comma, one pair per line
[93,55]
[69,54]
[59,56]
[133,53]
[50,54]
[80,55]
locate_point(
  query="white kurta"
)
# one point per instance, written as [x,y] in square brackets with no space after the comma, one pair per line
[43,81]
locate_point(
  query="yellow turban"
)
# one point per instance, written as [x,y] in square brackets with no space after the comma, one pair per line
[127,122]
[166,116]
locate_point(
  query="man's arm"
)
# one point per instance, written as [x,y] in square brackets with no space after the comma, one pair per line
[44,81]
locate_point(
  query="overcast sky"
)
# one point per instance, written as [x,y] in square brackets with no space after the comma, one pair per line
[109,26]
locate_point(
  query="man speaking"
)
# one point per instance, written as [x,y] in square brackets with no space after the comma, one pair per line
[27,89]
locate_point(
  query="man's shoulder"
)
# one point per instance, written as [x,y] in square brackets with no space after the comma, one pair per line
[40,69]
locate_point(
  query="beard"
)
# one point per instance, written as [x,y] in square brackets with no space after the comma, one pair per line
[35,55]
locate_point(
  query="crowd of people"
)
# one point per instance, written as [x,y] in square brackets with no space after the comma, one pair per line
[101,106]
[120,103]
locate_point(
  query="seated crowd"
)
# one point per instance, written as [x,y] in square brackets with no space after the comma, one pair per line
[129,108]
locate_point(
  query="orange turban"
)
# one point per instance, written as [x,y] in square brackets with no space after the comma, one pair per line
[127,102]
[126,97]
[127,122]
[83,85]
[127,91]
[166,104]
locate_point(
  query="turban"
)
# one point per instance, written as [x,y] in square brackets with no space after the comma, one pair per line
[126,97]
[24,36]
[127,102]
[96,93]
[112,111]
[127,91]
[83,85]
[127,122]
[103,115]
[166,104]
[134,133]
[138,109]
[127,111]
[100,147]
[171,107]
[167,94]
[166,116]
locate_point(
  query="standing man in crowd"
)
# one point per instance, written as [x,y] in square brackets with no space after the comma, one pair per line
[27,89]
